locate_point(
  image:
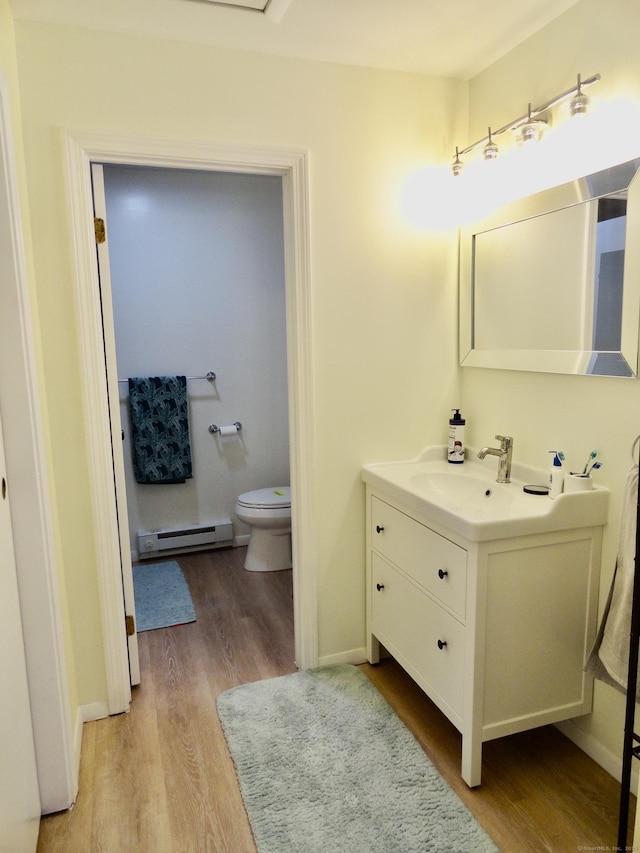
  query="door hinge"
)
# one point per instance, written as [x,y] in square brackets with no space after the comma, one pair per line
[131,625]
[98,225]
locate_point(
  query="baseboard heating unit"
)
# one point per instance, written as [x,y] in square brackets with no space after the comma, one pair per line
[192,537]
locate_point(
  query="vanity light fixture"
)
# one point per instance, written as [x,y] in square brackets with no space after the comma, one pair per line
[490,150]
[532,126]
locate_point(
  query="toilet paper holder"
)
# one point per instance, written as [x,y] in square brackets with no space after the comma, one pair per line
[226,430]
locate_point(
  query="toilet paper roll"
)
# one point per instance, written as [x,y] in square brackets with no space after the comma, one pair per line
[232,429]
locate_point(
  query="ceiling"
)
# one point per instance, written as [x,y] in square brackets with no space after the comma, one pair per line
[453,39]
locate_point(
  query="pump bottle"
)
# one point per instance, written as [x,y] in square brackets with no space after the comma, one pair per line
[556,474]
[455,450]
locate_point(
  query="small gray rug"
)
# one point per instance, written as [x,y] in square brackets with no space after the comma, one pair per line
[162,596]
[325,764]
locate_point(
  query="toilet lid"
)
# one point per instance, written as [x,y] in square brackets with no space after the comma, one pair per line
[278,497]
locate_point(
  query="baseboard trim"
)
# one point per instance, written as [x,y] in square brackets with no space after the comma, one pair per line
[237,542]
[608,760]
[94,711]
[353,656]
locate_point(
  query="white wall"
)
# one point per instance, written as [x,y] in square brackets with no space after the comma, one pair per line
[197,279]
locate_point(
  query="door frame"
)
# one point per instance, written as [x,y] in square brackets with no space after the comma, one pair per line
[81,149]
[55,734]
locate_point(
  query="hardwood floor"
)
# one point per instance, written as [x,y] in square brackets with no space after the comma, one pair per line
[160,779]
[539,791]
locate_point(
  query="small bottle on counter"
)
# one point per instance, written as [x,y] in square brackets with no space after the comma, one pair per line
[556,474]
[455,451]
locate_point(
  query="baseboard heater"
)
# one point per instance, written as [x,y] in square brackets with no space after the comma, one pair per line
[193,537]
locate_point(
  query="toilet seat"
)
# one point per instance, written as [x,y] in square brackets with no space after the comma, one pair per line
[275,498]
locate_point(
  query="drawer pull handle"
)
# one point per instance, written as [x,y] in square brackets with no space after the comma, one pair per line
[379,529]
[379,586]
[442,573]
[442,644]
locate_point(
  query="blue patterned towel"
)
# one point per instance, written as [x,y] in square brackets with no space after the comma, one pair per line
[159,412]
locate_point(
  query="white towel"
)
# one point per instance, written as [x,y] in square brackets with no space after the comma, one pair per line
[609,658]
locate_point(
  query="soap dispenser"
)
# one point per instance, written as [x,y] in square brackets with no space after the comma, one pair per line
[556,474]
[455,451]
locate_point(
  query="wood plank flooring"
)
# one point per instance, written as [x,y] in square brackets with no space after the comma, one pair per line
[160,779]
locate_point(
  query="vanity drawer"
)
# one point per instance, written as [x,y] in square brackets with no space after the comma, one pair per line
[434,562]
[416,630]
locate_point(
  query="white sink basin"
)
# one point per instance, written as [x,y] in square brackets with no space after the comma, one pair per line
[461,491]
[467,499]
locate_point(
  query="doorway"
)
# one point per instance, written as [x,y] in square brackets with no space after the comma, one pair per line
[196,267]
[195,278]
[292,167]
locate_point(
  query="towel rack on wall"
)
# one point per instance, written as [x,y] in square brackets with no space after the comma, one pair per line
[210,376]
[631,743]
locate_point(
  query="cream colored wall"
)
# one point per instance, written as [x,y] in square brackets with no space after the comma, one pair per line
[543,411]
[9,65]
[383,292]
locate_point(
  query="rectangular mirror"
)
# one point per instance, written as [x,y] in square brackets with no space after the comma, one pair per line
[550,283]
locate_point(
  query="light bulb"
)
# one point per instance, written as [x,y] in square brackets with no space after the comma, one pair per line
[458,165]
[490,150]
[579,104]
[532,130]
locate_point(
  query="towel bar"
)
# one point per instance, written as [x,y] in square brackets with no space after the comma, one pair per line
[210,376]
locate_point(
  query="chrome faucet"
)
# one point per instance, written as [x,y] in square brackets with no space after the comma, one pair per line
[504,457]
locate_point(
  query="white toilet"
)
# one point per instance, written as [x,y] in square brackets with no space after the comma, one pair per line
[268,514]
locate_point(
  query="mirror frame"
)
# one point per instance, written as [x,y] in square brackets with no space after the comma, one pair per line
[574,362]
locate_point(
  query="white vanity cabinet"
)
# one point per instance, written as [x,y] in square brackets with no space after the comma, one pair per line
[495,632]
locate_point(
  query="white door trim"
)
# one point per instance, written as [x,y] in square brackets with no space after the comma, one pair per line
[37,571]
[81,149]
[124,539]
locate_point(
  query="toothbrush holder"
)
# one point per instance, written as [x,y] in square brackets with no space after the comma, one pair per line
[577,482]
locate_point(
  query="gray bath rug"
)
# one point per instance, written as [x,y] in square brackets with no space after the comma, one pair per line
[325,764]
[162,596]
